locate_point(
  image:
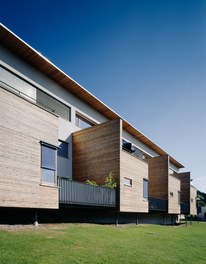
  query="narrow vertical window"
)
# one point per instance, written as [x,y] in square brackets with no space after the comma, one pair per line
[179,197]
[145,188]
[48,163]
[63,150]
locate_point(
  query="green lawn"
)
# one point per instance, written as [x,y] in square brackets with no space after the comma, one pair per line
[81,243]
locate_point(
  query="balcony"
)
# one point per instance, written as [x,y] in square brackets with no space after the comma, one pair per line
[78,193]
[184,208]
[156,204]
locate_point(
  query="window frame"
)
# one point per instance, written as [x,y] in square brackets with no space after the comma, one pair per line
[45,167]
[145,181]
[127,184]
[171,194]
[79,117]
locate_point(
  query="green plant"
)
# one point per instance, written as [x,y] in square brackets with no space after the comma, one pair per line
[90,182]
[109,181]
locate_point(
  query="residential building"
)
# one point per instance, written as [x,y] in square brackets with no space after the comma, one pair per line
[55,135]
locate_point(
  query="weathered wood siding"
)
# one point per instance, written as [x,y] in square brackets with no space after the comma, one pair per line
[188,192]
[184,178]
[131,198]
[193,196]
[174,188]
[158,176]
[96,152]
[22,126]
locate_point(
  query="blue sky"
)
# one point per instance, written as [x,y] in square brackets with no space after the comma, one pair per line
[145,59]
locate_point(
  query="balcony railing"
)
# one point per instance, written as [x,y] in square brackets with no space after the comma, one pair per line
[78,193]
[184,208]
[156,204]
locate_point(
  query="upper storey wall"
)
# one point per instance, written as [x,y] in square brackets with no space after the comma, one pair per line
[20,67]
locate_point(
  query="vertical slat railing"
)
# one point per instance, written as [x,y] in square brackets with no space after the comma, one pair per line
[72,192]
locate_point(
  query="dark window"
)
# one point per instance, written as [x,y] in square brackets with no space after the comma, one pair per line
[145,188]
[132,149]
[53,105]
[63,150]
[48,163]
[179,197]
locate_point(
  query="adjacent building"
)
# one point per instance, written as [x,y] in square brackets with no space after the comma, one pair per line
[55,135]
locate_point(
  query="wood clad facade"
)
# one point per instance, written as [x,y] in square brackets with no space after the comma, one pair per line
[173,195]
[22,126]
[188,192]
[34,58]
[184,177]
[131,197]
[193,196]
[96,152]
[158,177]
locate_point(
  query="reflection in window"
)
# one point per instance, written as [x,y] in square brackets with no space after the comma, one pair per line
[128,182]
[82,122]
[132,149]
[145,188]
[48,163]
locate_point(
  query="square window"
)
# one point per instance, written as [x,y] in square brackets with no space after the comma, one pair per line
[128,182]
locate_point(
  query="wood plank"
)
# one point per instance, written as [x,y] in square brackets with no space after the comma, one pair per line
[22,126]
[96,152]
[131,198]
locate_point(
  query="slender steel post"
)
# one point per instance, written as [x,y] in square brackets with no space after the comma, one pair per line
[36,218]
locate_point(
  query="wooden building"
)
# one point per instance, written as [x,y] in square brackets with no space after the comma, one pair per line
[55,135]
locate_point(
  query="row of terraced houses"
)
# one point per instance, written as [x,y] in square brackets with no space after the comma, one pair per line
[55,135]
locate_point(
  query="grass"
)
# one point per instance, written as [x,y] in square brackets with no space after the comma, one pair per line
[81,243]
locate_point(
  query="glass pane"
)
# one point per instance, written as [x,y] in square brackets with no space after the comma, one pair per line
[63,149]
[48,176]
[145,189]
[48,158]
[127,182]
[54,105]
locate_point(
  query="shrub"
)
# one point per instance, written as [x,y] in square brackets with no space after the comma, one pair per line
[110,181]
[90,182]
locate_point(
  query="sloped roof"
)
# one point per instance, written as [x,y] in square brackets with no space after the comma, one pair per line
[37,60]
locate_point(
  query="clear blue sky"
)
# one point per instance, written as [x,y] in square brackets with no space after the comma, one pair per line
[144,59]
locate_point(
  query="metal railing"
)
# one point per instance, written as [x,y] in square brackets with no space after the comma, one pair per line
[25,96]
[156,204]
[72,192]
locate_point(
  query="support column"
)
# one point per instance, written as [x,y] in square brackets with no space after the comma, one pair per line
[137,221]
[36,218]
[116,219]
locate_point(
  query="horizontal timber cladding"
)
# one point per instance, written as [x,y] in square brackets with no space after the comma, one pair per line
[131,197]
[184,178]
[158,177]
[173,200]
[96,152]
[22,126]
[193,196]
